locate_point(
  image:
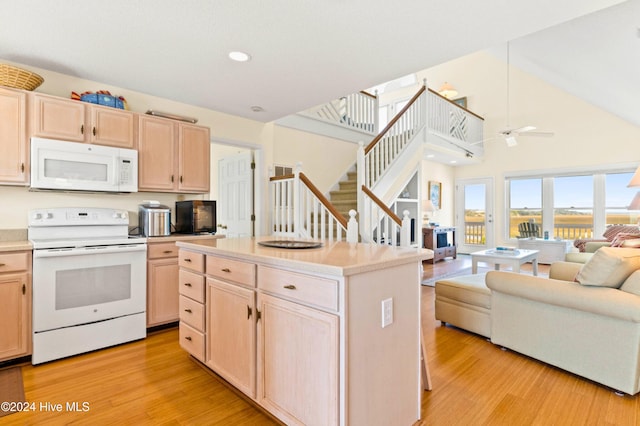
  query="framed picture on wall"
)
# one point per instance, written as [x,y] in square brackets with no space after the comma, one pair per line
[435,193]
[461,101]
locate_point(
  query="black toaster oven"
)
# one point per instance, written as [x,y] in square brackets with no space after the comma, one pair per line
[196,217]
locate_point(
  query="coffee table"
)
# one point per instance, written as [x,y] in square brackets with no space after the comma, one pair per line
[513,258]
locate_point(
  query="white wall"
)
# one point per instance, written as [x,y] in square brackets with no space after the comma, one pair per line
[585,136]
[324,160]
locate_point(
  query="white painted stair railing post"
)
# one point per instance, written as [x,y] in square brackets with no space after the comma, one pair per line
[352,227]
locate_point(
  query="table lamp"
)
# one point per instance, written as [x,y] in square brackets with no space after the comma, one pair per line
[635,205]
[428,207]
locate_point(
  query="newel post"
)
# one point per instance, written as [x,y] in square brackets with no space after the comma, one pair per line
[352,227]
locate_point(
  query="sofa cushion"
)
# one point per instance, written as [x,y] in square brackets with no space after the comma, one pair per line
[609,267]
[632,284]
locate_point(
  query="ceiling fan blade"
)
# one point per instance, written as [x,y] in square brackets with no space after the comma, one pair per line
[537,134]
[523,129]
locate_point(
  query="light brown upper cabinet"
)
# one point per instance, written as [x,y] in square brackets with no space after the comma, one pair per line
[14,157]
[75,121]
[172,156]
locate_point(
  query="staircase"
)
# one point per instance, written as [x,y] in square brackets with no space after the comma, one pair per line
[385,166]
[346,197]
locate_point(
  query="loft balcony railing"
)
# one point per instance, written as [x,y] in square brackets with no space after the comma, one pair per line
[358,111]
[447,119]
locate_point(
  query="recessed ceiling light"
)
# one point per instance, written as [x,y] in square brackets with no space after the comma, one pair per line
[453,161]
[239,56]
[257,108]
[430,155]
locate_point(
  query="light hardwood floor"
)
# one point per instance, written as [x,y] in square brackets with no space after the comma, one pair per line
[154,382]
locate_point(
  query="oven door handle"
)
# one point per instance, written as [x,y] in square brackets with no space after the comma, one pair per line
[87,251]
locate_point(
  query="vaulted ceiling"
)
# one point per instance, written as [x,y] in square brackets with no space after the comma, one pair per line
[304,53]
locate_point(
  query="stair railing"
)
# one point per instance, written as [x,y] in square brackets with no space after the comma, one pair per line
[447,118]
[388,145]
[385,227]
[301,210]
[358,111]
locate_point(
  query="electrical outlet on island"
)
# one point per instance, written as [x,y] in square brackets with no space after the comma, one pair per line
[387,312]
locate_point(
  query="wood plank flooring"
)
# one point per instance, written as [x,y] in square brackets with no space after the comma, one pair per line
[154,382]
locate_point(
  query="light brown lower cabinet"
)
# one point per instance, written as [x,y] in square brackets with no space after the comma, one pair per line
[307,347]
[162,283]
[15,304]
[231,334]
[298,352]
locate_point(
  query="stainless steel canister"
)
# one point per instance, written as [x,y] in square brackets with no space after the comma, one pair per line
[154,219]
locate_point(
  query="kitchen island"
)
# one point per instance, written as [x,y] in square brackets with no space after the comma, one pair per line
[327,335]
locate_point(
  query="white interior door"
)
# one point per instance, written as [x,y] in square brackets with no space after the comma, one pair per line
[474,214]
[235,195]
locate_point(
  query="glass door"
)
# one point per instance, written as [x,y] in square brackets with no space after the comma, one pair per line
[474,214]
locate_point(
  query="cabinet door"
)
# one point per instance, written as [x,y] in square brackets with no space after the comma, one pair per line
[112,127]
[157,151]
[58,118]
[15,317]
[194,148]
[13,137]
[231,334]
[298,370]
[162,291]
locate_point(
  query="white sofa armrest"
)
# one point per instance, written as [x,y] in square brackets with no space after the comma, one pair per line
[597,300]
[565,271]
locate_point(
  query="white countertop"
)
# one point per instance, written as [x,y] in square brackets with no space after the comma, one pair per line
[333,258]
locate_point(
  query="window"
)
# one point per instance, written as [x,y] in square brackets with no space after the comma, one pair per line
[570,205]
[617,198]
[573,207]
[526,203]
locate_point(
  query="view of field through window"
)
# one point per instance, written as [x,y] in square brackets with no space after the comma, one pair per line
[572,210]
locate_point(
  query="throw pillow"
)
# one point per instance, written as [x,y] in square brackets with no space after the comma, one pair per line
[613,230]
[632,284]
[609,267]
[620,239]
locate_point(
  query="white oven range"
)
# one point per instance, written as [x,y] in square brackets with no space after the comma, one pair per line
[89,281]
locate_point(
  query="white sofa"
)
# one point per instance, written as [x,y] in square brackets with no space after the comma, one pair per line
[590,327]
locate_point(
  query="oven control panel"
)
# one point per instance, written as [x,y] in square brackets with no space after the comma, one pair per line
[77,216]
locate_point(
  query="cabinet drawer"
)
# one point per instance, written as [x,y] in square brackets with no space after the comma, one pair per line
[232,270]
[192,313]
[161,250]
[191,340]
[14,262]
[191,260]
[311,290]
[192,285]
[450,251]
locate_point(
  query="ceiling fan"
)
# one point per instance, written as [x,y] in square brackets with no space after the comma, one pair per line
[508,133]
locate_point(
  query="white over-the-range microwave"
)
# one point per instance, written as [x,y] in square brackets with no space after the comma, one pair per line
[72,166]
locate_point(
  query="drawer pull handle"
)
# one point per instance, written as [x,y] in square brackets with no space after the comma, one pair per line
[2,264]
[290,287]
[226,270]
[188,310]
[167,251]
[187,284]
[188,338]
[187,260]
[248,311]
